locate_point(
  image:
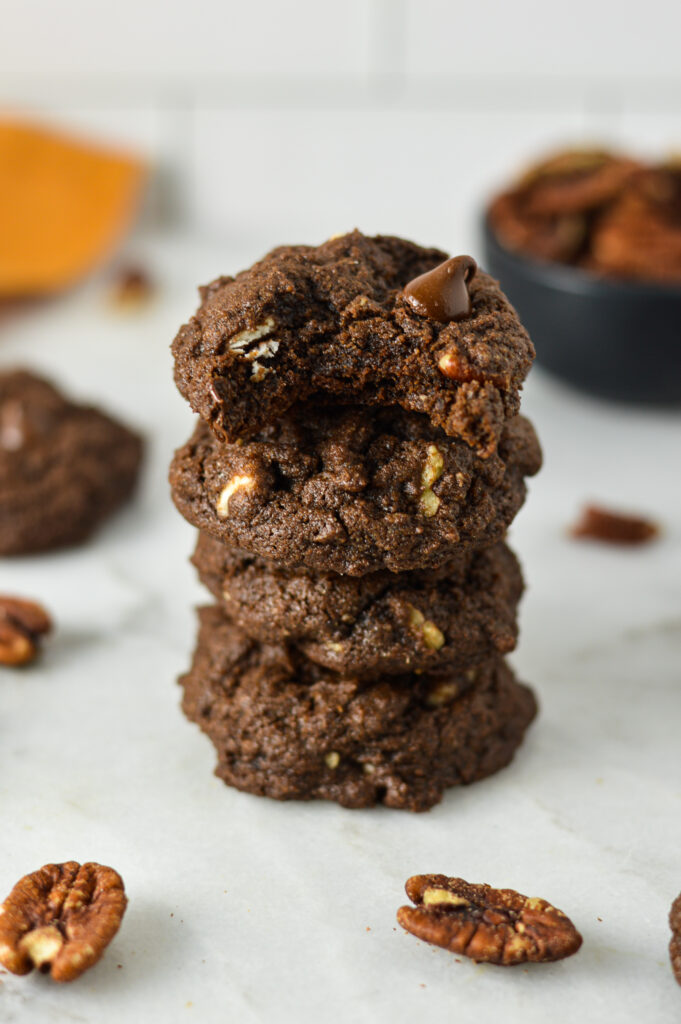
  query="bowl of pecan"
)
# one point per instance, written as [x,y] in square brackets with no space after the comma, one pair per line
[587,246]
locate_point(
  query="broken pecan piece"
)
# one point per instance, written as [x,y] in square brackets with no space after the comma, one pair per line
[133,288]
[22,623]
[60,919]
[675,943]
[455,366]
[613,527]
[497,926]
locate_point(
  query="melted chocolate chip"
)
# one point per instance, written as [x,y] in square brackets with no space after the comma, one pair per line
[442,293]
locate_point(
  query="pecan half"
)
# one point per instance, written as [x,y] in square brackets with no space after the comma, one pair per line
[22,623]
[497,926]
[613,527]
[60,919]
[675,943]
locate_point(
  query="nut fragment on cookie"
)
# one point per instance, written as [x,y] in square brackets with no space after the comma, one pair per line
[441,694]
[432,636]
[60,919]
[498,926]
[613,527]
[22,624]
[453,367]
[241,341]
[237,483]
[432,471]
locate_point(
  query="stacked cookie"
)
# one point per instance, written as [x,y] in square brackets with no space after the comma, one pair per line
[357,461]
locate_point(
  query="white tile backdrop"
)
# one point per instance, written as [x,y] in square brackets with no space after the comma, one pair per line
[275,120]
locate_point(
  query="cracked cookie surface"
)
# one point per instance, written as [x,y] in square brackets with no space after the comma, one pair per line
[332,323]
[64,467]
[286,728]
[451,616]
[353,490]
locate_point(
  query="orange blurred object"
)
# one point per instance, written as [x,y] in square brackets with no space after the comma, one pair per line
[63,206]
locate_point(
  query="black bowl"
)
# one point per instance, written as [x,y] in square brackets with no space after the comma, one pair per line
[620,340]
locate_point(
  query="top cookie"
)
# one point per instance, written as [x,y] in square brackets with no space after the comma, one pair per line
[335,321]
[63,467]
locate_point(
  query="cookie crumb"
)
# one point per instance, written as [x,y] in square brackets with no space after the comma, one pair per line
[132,289]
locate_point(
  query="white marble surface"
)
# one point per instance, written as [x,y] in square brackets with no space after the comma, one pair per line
[246,909]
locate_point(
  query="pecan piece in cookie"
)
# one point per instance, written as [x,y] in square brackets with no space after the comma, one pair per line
[675,943]
[498,926]
[22,624]
[60,919]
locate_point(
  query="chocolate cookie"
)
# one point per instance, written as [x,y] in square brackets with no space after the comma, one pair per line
[63,467]
[353,490]
[452,616]
[334,323]
[284,727]
[675,942]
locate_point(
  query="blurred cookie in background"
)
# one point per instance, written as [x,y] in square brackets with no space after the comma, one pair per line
[64,467]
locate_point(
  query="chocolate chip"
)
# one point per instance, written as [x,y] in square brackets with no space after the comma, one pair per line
[442,293]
